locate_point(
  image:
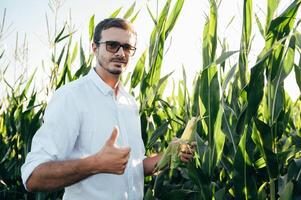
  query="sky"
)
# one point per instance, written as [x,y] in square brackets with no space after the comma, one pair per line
[29,18]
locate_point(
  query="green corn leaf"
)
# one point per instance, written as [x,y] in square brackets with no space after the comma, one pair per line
[294,170]
[171,21]
[180,98]
[298,74]
[228,129]
[151,14]
[82,58]
[116,12]
[220,194]
[149,195]
[245,42]
[262,195]
[259,26]
[134,17]
[256,85]
[58,62]
[285,66]
[130,11]
[138,71]
[159,89]
[264,141]
[287,193]
[272,5]
[244,181]
[297,68]
[91,28]
[224,56]
[64,37]
[260,163]
[161,131]
[219,139]
[28,84]
[209,95]
[281,26]
[196,97]
[186,95]
[2,53]
[156,48]
[74,53]
[58,37]
[209,36]
[177,194]
[228,77]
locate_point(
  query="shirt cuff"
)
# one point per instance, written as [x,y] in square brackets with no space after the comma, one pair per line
[28,167]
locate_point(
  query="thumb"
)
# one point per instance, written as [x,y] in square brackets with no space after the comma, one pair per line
[113,138]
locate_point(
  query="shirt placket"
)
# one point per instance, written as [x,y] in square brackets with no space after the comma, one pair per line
[119,108]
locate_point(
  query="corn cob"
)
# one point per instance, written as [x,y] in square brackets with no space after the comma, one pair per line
[171,154]
[189,132]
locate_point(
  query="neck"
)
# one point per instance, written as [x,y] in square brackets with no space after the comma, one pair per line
[110,79]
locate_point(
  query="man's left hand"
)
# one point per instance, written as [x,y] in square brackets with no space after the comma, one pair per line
[186,154]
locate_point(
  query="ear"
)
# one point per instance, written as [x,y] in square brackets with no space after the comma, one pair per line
[94,47]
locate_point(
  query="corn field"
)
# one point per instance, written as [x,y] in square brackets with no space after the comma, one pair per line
[248,136]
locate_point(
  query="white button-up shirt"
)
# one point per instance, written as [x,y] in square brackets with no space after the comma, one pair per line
[78,121]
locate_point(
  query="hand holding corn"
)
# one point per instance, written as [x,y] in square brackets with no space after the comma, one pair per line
[180,149]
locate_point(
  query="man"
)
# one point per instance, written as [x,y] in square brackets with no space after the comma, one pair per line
[90,142]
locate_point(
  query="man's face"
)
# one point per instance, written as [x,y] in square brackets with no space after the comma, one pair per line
[114,63]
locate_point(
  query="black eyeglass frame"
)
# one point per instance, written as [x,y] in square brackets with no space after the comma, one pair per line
[127,48]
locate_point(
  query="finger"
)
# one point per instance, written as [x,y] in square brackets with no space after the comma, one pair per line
[183,159]
[188,151]
[125,162]
[113,138]
[187,156]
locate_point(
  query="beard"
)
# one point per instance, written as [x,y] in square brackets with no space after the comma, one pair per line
[115,69]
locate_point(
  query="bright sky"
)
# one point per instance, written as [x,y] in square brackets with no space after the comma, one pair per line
[28,17]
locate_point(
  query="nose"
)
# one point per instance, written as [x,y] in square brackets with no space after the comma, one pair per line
[120,52]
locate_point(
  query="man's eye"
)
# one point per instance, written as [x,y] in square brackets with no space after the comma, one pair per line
[113,44]
[127,47]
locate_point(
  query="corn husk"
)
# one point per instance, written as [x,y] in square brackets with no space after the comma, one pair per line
[171,154]
[189,132]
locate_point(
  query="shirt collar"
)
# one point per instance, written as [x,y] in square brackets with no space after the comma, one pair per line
[101,85]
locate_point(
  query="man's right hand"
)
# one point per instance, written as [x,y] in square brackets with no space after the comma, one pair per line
[111,158]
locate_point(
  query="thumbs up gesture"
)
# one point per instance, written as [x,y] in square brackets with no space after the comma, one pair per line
[111,158]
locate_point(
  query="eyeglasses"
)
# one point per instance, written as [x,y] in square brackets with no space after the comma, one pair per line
[114,46]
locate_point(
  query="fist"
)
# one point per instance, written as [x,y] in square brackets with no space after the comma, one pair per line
[112,158]
[187,151]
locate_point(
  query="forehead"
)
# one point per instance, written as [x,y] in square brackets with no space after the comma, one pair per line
[118,34]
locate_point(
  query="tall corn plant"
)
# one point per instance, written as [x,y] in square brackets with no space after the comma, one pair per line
[153,109]
[263,120]
[21,114]
[243,152]
[277,65]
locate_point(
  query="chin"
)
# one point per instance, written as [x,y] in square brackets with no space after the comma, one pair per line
[116,72]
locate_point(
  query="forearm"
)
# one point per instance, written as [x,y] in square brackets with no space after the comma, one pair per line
[58,174]
[149,164]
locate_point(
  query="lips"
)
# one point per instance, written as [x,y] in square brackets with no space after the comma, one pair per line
[119,61]
[119,64]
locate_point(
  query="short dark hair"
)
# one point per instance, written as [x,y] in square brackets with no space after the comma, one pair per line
[109,23]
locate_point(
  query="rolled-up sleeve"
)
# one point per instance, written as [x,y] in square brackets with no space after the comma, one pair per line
[57,136]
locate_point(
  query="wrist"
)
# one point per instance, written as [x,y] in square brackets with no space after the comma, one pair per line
[91,166]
